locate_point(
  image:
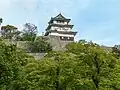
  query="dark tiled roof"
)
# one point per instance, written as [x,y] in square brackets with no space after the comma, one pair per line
[59,17]
[61,32]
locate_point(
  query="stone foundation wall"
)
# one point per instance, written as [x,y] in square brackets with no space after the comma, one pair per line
[57,43]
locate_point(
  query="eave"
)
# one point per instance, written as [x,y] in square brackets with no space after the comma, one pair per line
[61,32]
[59,25]
[55,19]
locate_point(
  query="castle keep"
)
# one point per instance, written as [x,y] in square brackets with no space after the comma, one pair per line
[59,31]
[59,26]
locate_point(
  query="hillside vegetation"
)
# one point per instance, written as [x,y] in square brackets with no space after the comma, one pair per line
[83,66]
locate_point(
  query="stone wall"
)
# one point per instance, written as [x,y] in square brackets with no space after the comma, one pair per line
[57,43]
[37,56]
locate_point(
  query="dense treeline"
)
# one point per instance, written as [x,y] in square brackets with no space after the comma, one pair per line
[83,66]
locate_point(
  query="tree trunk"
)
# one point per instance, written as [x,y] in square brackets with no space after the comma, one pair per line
[95,77]
[57,79]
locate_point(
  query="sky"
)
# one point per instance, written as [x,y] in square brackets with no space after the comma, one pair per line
[96,20]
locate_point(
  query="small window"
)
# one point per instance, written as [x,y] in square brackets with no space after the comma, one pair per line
[60,21]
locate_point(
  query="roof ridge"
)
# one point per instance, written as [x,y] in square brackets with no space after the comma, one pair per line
[60,16]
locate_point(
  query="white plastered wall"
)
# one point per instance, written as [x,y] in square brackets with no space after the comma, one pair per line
[57,34]
[61,28]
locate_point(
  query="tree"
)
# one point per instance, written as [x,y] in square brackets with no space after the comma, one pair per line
[1,20]
[29,32]
[18,35]
[99,63]
[54,72]
[8,31]
[116,50]
[12,60]
[40,45]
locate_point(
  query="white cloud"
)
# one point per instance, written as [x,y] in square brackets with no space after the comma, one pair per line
[6,5]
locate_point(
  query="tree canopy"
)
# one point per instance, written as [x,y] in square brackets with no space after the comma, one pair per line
[83,66]
[8,31]
[29,32]
[40,45]
[12,60]
[1,20]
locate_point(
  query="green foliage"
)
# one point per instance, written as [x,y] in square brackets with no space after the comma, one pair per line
[101,64]
[29,32]
[116,50]
[50,73]
[1,20]
[40,45]
[12,61]
[17,35]
[83,66]
[8,31]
